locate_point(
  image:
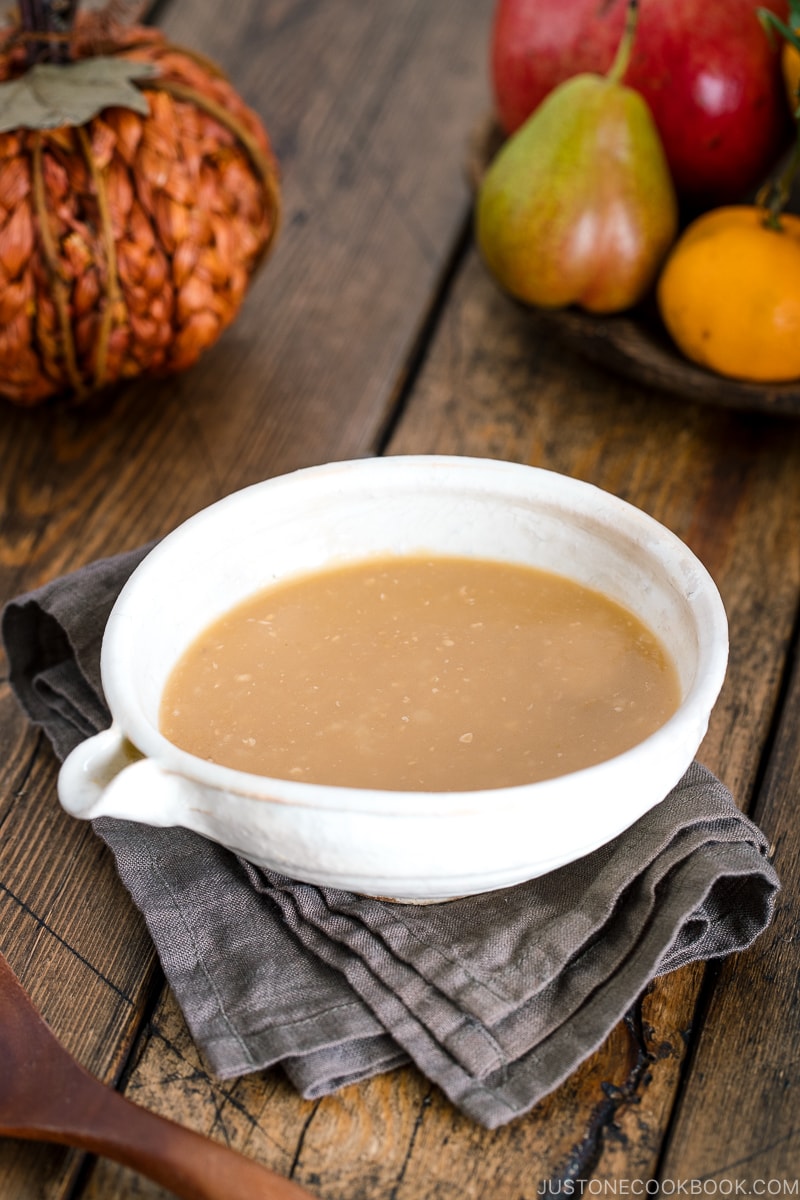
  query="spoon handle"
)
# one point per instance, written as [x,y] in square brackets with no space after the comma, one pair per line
[47,1096]
[93,1117]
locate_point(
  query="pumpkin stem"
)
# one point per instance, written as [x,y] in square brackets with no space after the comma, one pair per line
[47,26]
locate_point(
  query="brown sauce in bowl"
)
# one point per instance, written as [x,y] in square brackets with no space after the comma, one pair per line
[420,674]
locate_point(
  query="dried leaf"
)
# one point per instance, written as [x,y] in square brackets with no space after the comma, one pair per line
[53,94]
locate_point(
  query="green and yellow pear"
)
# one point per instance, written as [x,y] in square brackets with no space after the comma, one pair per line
[579,206]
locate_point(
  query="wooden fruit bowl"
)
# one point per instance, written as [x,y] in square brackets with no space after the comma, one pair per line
[635,343]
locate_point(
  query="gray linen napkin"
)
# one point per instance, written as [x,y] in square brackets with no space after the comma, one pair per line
[496,998]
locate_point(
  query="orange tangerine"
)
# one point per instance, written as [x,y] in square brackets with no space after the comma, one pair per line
[729,294]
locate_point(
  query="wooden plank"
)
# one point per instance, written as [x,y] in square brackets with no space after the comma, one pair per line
[65,933]
[394,1136]
[368,107]
[57,907]
[736,1069]
[311,370]
[730,486]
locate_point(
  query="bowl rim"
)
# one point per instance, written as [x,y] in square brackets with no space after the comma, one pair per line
[703,600]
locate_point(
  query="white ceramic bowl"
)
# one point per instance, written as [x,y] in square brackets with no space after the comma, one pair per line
[401,845]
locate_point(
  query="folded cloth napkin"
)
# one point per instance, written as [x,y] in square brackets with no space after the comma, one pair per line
[496,998]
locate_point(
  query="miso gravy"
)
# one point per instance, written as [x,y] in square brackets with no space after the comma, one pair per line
[440,674]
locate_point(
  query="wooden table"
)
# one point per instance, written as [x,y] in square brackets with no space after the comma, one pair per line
[374,329]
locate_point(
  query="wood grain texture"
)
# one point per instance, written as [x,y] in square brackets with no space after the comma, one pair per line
[394,1136]
[370,108]
[69,932]
[46,1095]
[730,486]
[360,104]
[746,1062]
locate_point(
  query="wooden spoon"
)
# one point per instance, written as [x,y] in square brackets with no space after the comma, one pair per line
[47,1096]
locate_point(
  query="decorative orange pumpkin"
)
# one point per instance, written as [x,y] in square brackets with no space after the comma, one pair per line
[127,240]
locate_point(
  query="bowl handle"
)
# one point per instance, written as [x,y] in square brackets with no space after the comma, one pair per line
[106,776]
